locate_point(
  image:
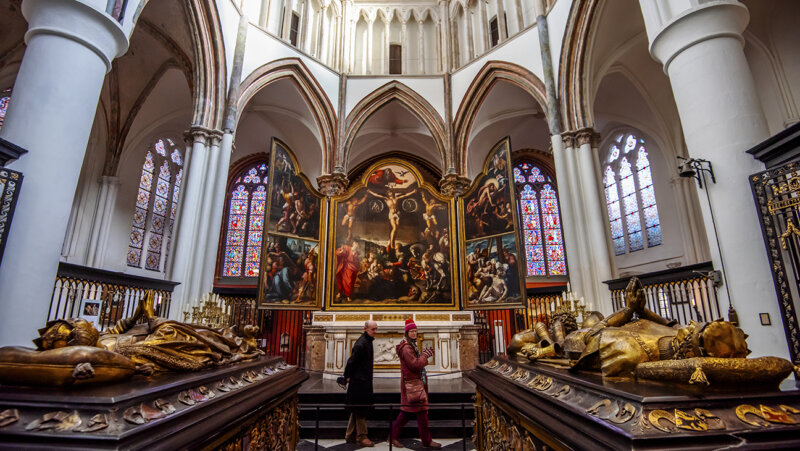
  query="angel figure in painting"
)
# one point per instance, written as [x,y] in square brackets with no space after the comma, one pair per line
[394,217]
[349,214]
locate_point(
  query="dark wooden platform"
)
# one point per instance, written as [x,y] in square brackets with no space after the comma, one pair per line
[226,402]
[538,405]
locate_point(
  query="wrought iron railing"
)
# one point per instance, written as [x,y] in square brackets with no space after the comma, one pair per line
[683,294]
[103,297]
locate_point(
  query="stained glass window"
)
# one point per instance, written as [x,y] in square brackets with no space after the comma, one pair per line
[156,206]
[540,220]
[244,227]
[630,196]
[5,97]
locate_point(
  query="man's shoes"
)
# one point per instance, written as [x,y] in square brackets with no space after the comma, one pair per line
[433,445]
[367,442]
[396,443]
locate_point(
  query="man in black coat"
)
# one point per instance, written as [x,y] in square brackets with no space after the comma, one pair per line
[358,373]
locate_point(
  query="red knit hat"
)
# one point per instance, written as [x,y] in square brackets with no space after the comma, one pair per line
[410,324]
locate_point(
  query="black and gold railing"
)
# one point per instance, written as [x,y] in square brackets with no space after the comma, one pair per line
[683,294]
[103,297]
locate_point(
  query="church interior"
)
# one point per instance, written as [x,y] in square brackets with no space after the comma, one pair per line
[589,209]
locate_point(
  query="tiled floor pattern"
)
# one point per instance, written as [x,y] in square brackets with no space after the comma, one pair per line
[448,444]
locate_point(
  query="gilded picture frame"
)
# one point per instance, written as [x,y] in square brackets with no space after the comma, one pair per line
[492,277]
[389,243]
[291,257]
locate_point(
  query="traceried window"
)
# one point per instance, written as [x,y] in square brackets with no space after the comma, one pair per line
[630,196]
[541,221]
[5,97]
[156,206]
[245,223]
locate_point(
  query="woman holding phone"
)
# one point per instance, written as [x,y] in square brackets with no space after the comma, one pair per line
[413,388]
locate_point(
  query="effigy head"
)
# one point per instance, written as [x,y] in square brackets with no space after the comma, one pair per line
[61,333]
[723,339]
[715,339]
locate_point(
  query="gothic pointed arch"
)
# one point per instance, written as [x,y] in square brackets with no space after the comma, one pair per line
[209,80]
[572,80]
[411,100]
[491,73]
[321,107]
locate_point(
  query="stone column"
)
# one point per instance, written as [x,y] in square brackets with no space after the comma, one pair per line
[287,19]
[325,36]
[502,31]
[700,47]
[189,218]
[385,59]
[594,223]
[317,45]
[444,33]
[569,217]
[470,34]
[315,348]
[305,37]
[481,5]
[369,55]
[263,17]
[468,347]
[103,216]
[206,239]
[518,13]
[421,45]
[404,41]
[69,49]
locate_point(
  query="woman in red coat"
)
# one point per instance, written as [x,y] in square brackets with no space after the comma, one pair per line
[412,367]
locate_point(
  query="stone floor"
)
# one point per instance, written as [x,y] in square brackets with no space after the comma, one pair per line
[448,444]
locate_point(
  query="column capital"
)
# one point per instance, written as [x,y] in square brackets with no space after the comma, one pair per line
[584,136]
[569,139]
[202,135]
[332,184]
[79,22]
[454,184]
[109,180]
[719,19]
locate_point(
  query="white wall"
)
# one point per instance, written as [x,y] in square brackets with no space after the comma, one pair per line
[263,48]
[522,49]
[430,88]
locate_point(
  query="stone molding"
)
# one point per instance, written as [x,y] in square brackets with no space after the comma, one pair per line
[454,184]
[332,184]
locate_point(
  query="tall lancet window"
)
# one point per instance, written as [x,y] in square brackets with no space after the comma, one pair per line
[630,196]
[156,206]
[245,223]
[541,221]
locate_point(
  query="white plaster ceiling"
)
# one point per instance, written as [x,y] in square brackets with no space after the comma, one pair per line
[393,128]
[509,111]
[628,86]
[279,110]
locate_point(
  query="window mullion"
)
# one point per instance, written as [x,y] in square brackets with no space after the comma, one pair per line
[623,213]
[639,202]
[246,230]
[538,190]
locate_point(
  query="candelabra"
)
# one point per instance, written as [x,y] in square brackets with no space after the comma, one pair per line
[572,305]
[211,311]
